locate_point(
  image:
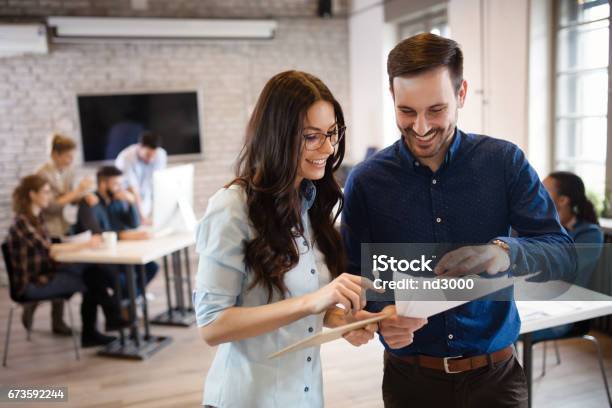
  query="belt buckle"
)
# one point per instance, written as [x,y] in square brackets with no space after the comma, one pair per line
[446,369]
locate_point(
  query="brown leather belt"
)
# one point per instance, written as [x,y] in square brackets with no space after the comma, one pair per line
[452,365]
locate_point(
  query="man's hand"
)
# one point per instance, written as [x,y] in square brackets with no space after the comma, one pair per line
[336,317]
[125,195]
[398,331]
[361,336]
[471,260]
[135,235]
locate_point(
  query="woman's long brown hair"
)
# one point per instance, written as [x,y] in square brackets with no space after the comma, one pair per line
[22,202]
[267,169]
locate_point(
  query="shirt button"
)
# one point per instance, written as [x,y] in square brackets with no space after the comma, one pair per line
[438,220]
[514,266]
[306,389]
[310,330]
[434,181]
[313,271]
[416,163]
[450,336]
[309,359]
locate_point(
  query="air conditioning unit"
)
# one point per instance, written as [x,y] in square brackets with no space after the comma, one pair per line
[20,39]
[107,28]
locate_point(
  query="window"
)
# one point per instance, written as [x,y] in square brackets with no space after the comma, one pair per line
[581,91]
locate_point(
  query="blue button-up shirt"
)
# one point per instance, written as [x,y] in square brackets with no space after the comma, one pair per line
[114,215]
[484,187]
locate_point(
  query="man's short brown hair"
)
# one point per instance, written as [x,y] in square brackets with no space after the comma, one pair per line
[149,139]
[106,172]
[424,52]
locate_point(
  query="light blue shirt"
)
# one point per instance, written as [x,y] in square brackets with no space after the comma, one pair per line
[241,374]
[140,174]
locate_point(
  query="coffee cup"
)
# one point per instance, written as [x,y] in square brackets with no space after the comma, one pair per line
[110,239]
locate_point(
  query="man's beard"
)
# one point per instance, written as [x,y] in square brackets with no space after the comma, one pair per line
[409,133]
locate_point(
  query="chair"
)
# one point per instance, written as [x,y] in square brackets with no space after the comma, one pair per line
[580,330]
[18,301]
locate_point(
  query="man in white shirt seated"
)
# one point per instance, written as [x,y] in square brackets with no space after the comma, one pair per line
[138,163]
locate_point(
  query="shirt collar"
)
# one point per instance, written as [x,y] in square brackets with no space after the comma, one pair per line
[102,201]
[450,154]
[308,191]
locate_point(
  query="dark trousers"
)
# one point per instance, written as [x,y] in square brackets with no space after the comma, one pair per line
[114,271]
[72,278]
[96,294]
[68,280]
[500,385]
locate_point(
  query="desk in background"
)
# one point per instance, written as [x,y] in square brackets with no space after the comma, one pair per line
[538,315]
[134,255]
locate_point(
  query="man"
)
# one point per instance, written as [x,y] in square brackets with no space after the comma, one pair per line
[138,162]
[114,210]
[438,184]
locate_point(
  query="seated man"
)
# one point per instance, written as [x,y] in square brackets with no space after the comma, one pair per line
[113,209]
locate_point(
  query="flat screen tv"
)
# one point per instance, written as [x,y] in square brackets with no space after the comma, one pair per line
[109,123]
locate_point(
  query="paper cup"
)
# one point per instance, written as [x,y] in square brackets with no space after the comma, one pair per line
[110,239]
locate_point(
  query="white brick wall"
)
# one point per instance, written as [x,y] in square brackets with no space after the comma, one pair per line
[38,93]
[168,8]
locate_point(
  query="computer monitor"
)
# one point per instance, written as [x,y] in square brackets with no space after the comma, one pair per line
[173,199]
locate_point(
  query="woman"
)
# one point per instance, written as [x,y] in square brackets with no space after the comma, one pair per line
[60,175]
[578,217]
[37,276]
[268,251]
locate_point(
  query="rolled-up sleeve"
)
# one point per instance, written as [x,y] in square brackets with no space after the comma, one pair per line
[221,236]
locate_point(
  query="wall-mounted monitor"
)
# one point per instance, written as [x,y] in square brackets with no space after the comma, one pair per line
[111,122]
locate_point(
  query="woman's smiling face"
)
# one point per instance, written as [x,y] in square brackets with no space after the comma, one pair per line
[320,118]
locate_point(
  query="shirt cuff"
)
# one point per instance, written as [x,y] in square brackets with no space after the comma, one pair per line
[513,245]
[208,306]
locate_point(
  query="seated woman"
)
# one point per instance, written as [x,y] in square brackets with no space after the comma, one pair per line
[60,174]
[38,277]
[578,217]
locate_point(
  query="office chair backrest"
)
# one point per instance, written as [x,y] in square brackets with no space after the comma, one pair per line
[6,253]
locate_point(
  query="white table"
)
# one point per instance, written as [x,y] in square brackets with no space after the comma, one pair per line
[131,252]
[606,225]
[134,255]
[538,315]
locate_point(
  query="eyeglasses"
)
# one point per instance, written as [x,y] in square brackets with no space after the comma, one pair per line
[314,141]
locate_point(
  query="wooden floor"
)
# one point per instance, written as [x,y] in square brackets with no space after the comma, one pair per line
[174,377]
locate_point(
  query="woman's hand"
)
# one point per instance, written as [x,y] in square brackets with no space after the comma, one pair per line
[85,185]
[347,290]
[125,195]
[91,200]
[94,242]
